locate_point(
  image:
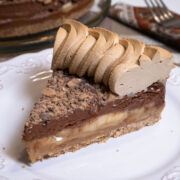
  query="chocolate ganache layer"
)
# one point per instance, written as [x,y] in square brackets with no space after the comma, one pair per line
[71,101]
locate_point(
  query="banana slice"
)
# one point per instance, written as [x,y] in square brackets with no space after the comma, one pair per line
[81,53]
[154,64]
[97,53]
[106,61]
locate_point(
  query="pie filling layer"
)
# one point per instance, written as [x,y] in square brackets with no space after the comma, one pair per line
[74,112]
[68,101]
[94,130]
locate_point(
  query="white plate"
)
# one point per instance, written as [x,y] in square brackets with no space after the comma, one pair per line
[150,153]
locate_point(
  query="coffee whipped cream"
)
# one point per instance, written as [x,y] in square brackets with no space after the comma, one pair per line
[125,65]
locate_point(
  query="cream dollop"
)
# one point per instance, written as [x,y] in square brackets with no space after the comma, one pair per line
[125,65]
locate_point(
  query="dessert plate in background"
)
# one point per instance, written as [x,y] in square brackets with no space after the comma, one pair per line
[46,39]
[152,153]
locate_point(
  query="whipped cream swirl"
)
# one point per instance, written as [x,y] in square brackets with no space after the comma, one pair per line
[127,66]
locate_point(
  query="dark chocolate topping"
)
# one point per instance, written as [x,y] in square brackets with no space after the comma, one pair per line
[70,101]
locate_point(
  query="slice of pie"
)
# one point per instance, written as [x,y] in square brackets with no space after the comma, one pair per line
[24,17]
[102,86]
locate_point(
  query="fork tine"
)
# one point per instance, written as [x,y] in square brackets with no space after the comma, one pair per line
[156,18]
[164,15]
[159,13]
[166,8]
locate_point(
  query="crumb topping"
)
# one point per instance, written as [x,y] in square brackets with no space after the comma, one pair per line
[66,94]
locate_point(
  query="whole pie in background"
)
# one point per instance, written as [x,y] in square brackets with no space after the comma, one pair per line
[24,17]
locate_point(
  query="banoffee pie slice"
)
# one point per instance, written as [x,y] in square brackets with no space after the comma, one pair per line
[102,86]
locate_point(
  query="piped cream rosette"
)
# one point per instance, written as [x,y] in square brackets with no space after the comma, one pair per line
[127,66]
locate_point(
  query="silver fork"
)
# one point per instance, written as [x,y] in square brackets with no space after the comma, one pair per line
[161,14]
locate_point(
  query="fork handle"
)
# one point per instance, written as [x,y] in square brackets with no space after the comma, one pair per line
[172,24]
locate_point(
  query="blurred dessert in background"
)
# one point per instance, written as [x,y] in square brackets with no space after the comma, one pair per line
[24,17]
